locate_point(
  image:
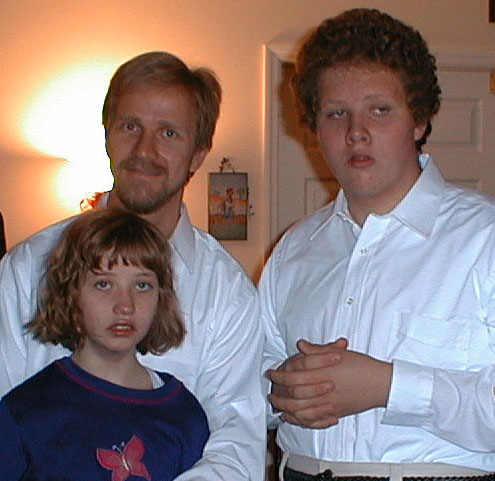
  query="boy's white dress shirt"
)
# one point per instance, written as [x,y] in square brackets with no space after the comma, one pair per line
[415,287]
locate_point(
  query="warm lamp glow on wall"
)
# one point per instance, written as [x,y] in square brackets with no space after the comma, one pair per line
[64,120]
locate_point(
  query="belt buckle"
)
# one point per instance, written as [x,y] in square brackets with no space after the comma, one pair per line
[326,475]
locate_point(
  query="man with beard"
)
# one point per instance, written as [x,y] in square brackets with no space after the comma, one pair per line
[159,118]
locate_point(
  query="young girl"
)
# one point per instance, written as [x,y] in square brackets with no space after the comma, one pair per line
[100,414]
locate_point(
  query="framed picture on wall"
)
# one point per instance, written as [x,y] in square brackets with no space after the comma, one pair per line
[228,206]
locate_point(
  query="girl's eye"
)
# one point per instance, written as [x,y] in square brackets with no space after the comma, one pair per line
[102,285]
[143,286]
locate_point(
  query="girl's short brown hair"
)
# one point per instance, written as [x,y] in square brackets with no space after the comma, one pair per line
[123,237]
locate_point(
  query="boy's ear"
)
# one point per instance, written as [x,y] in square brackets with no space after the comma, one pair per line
[420,130]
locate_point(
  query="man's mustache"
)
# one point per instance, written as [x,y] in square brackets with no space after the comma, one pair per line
[142,165]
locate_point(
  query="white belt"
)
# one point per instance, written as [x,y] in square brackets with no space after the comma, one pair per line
[394,471]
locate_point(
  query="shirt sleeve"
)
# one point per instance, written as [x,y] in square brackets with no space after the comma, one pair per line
[16,309]
[21,272]
[12,457]
[274,351]
[229,390]
[457,406]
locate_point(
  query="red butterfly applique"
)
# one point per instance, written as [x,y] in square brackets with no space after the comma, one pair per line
[124,461]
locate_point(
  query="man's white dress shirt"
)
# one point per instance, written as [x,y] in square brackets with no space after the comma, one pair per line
[219,360]
[415,287]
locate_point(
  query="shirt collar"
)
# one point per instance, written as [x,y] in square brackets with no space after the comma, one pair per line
[182,240]
[417,210]
[337,208]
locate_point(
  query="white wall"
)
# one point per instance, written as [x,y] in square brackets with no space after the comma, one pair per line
[38,36]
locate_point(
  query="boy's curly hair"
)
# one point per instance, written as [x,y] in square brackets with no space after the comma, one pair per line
[368,36]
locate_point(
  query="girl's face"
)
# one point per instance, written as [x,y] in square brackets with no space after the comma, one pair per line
[118,307]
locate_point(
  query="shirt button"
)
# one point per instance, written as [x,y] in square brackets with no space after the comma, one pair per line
[349,301]
[364,250]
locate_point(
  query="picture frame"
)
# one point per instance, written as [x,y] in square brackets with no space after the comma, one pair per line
[228,205]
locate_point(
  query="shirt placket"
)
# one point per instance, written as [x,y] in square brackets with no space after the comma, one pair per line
[354,316]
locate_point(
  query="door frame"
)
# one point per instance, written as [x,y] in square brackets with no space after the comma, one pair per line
[275,54]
